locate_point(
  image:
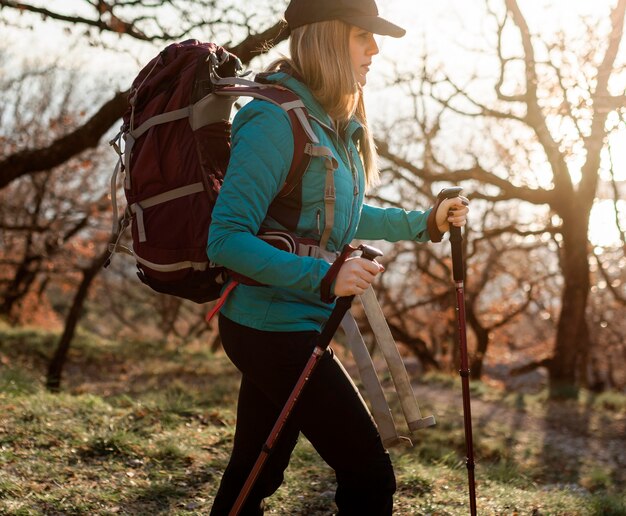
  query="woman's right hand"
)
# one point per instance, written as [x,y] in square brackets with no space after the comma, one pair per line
[355,275]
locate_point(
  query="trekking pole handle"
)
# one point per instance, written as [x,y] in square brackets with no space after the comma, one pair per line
[369,253]
[456,237]
[343,303]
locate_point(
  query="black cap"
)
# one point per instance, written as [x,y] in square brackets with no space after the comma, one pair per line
[360,13]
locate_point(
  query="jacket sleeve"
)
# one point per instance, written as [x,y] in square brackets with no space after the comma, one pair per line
[395,224]
[262,150]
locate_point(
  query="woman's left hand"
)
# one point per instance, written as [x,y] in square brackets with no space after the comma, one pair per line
[452,211]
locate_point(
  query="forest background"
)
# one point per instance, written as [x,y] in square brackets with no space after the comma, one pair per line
[522,103]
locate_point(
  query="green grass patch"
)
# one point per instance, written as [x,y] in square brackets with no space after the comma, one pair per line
[10,489]
[117,444]
[612,401]
[608,504]
[27,342]
[16,381]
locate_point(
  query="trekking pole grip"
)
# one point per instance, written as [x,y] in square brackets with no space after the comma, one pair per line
[456,236]
[343,303]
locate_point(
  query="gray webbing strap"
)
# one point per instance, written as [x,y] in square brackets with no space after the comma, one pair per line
[141,229]
[119,227]
[170,195]
[317,252]
[119,248]
[296,104]
[129,143]
[116,219]
[131,136]
[329,188]
[306,125]
[120,165]
[176,193]
[163,118]
[329,205]
[380,409]
[237,81]
[400,377]
[169,267]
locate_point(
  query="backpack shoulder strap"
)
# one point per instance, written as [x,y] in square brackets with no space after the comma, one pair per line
[303,135]
[306,146]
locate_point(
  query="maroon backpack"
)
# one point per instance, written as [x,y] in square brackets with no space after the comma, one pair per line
[176,134]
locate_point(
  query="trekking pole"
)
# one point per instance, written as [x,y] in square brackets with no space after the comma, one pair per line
[341,307]
[458,274]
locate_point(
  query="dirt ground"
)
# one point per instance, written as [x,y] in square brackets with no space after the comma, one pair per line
[576,434]
[570,436]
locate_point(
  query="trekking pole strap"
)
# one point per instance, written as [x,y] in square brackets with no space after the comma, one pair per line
[327,282]
[400,377]
[220,302]
[380,408]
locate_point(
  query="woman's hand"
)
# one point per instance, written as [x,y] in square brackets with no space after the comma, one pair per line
[452,211]
[355,275]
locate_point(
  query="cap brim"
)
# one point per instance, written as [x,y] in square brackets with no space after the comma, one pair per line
[376,25]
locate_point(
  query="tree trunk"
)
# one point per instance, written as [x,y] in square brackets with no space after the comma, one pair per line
[55,369]
[20,285]
[572,339]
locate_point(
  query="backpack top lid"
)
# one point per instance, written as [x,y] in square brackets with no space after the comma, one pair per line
[178,68]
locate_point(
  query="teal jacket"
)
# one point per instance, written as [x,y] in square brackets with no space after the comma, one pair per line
[262,150]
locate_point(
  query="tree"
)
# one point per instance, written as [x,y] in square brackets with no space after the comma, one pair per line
[580,82]
[41,215]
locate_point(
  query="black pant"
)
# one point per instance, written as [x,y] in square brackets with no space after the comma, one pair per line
[330,413]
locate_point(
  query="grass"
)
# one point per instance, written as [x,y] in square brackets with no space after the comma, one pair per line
[141,429]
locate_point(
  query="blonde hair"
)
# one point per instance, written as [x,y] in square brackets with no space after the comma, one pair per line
[320,55]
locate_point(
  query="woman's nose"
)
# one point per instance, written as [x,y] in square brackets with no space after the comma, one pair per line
[373,46]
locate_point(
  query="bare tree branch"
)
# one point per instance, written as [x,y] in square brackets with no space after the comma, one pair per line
[89,134]
[616,197]
[535,118]
[105,21]
[509,191]
[84,137]
[619,297]
[595,141]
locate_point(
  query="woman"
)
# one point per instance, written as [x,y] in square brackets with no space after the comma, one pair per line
[269,332]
